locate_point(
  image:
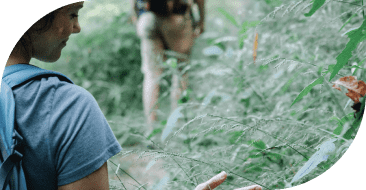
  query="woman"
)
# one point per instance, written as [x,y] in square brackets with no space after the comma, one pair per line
[164,25]
[67,139]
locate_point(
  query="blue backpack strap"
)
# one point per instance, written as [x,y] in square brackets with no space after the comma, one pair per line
[17,74]
[10,139]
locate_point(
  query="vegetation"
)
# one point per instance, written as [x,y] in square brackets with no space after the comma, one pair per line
[263,120]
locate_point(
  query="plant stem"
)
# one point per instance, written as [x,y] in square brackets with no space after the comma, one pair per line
[127,174]
[363,10]
[347,2]
[214,164]
[275,137]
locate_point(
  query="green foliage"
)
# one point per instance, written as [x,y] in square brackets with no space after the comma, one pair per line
[228,16]
[285,87]
[259,144]
[242,116]
[356,36]
[308,89]
[347,21]
[341,122]
[316,5]
[110,66]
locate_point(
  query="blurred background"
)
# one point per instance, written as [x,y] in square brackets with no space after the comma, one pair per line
[237,114]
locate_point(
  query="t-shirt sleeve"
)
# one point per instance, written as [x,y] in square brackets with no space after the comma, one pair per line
[81,140]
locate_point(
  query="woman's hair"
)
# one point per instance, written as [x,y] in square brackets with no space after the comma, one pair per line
[160,7]
[45,24]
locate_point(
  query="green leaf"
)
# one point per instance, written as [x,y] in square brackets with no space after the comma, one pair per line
[172,62]
[285,87]
[356,36]
[330,69]
[341,122]
[155,132]
[259,144]
[316,5]
[246,25]
[347,21]
[308,89]
[359,64]
[357,122]
[228,16]
[274,156]
[241,40]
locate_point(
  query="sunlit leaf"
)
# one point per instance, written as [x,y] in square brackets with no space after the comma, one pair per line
[316,5]
[212,50]
[359,64]
[161,183]
[171,123]
[320,156]
[228,16]
[150,164]
[208,98]
[308,89]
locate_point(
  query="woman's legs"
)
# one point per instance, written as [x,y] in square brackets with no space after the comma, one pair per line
[152,49]
[152,54]
[179,85]
[179,35]
[150,96]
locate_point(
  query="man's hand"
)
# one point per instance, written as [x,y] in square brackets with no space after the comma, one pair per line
[218,179]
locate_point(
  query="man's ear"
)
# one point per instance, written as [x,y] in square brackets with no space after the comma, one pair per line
[147,6]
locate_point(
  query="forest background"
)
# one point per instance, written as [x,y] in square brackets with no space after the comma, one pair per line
[262,120]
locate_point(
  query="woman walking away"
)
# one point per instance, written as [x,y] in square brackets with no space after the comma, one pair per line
[165,26]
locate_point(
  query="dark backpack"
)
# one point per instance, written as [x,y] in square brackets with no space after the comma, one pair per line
[11,170]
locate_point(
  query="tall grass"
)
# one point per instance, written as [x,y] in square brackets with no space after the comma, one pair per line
[260,121]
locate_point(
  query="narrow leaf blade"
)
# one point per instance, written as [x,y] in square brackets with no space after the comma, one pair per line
[308,89]
[228,16]
[316,5]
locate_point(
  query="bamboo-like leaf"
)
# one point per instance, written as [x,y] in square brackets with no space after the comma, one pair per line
[307,89]
[341,123]
[171,123]
[359,64]
[347,21]
[316,5]
[284,88]
[150,164]
[356,36]
[259,144]
[320,156]
[228,16]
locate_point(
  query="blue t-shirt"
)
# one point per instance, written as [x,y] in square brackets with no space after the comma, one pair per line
[65,133]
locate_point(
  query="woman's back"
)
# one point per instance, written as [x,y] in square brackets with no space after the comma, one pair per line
[58,120]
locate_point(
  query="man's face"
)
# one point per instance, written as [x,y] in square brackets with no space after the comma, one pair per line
[47,46]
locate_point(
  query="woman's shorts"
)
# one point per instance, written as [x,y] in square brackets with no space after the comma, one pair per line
[154,47]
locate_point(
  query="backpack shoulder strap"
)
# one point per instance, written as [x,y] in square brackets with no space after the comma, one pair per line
[17,74]
[11,170]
